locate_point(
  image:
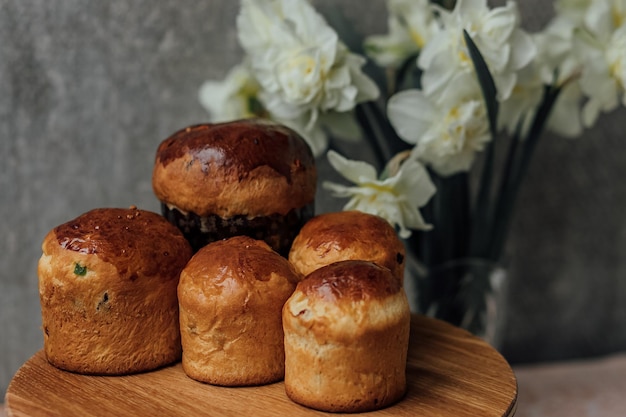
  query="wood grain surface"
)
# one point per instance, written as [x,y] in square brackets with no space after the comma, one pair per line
[450,373]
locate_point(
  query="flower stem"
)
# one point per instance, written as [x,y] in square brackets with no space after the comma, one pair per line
[448,210]
[372,134]
[377,130]
[520,161]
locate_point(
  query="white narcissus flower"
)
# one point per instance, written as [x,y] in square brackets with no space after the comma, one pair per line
[233,98]
[504,46]
[565,118]
[303,68]
[396,198]
[603,79]
[411,24]
[603,17]
[600,43]
[559,65]
[518,110]
[555,51]
[572,10]
[600,17]
[448,128]
[555,64]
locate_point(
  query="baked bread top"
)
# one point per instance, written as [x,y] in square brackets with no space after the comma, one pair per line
[345,235]
[346,338]
[228,275]
[349,282]
[346,299]
[136,242]
[247,167]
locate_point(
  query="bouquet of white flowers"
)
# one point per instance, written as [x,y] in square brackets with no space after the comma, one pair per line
[454,80]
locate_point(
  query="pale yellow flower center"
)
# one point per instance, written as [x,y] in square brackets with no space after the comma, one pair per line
[417,38]
[379,190]
[616,73]
[619,16]
[414,34]
[463,52]
[303,76]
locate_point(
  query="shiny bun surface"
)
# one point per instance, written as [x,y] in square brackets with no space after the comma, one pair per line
[107,285]
[347,235]
[248,167]
[231,295]
[346,338]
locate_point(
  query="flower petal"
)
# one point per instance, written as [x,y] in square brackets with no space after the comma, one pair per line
[354,171]
[411,114]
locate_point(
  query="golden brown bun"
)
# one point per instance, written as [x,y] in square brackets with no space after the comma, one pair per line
[231,295]
[346,338]
[107,284]
[347,235]
[246,167]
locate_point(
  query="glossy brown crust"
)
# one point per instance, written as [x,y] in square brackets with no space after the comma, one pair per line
[350,280]
[107,285]
[236,263]
[246,167]
[136,242]
[346,338]
[231,295]
[337,236]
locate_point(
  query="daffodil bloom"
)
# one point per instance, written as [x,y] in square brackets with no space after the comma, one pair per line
[448,128]
[555,51]
[517,111]
[411,24]
[565,118]
[601,45]
[505,47]
[236,97]
[573,10]
[304,70]
[396,198]
[558,64]
[603,17]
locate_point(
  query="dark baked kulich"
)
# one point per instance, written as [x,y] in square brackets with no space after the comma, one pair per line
[247,177]
[346,338]
[347,235]
[231,295]
[107,285]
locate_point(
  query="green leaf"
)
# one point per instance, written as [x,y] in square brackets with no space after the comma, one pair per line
[514,178]
[481,227]
[485,79]
[80,270]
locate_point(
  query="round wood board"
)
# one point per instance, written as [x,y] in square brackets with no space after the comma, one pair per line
[449,373]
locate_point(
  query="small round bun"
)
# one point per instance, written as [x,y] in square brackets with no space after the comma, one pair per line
[231,295]
[346,338]
[237,178]
[347,235]
[107,285]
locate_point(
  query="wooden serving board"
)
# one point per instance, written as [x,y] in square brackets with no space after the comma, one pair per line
[450,373]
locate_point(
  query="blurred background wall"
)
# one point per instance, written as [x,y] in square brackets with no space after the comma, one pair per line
[88,89]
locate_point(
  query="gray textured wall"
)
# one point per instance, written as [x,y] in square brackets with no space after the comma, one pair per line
[89,88]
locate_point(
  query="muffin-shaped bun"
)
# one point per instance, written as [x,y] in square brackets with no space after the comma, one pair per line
[247,177]
[107,284]
[346,338]
[347,235]
[231,294]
